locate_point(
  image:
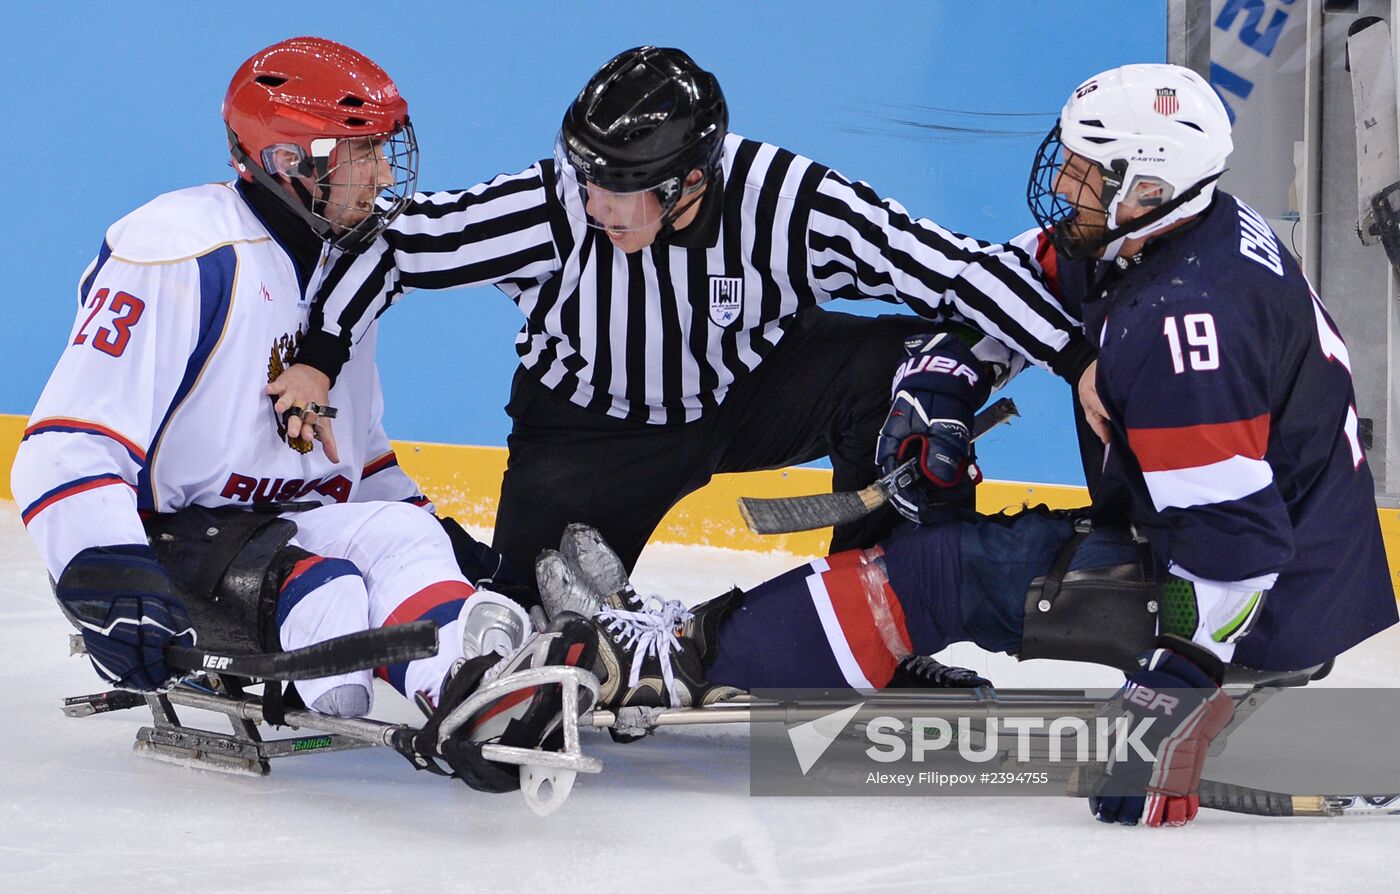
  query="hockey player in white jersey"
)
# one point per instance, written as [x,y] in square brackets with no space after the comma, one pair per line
[157,476]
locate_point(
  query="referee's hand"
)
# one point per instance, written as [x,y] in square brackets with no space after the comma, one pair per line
[299,386]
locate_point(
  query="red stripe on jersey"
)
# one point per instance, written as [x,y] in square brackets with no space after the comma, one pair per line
[65,423]
[427,599]
[82,487]
[1049,262]
[379,464]
[1167,449]
[846,587]
[301,568]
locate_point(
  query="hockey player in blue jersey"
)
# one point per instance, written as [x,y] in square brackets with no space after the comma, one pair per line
[1231,439]
[1231,443]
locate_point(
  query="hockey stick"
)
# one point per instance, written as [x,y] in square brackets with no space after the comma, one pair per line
[1080,784]
[1261,802]
[785,515]
[341,655]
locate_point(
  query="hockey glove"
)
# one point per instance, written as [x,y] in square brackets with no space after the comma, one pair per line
[125,605]
[1178,693]
[935,394]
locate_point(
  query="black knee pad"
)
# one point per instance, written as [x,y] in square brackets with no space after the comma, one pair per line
[229,566]
[1102,615]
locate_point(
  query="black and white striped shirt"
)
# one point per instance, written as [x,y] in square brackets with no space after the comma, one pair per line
[660,335]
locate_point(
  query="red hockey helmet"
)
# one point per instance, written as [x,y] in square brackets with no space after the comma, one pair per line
[317,118]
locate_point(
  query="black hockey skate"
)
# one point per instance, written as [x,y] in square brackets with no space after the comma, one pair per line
[924,672]
[506,721]
[651,652]
[591,574]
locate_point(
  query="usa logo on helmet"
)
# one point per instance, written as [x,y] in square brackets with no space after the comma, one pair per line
[1166,103]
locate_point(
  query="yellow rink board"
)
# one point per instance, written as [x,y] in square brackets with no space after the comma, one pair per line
[465,481]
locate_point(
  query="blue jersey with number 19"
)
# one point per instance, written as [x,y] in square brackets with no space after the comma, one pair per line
[1235,444]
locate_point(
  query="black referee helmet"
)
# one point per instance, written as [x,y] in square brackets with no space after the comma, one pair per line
[647,119]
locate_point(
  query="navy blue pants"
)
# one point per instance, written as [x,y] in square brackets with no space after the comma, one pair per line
[846,620]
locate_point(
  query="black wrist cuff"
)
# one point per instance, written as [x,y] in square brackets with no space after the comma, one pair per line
[323,351]
[1070,363]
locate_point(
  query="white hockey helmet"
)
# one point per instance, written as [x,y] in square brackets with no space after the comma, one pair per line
[1159,136]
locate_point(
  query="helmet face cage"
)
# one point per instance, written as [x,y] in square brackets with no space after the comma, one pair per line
[350,188]
[1078,226]
[1080,214]
[383,173]
[1052,212]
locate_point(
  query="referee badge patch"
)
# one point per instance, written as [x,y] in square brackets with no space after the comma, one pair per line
[726,299]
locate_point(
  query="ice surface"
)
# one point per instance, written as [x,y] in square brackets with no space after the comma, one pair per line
[81,812]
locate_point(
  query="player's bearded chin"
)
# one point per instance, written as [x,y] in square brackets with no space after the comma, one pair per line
[1085,229]
[1086,224]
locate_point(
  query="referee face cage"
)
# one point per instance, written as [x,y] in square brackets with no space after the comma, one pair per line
[324,129]
[1136,149]
[632,140]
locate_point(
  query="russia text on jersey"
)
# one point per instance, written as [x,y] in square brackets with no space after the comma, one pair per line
[247,489]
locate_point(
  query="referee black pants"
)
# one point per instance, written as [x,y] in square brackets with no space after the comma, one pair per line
[823,391]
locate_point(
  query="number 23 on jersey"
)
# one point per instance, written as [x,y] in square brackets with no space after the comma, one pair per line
[126,310]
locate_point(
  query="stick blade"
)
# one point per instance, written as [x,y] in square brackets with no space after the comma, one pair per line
[788,515]
[341,655]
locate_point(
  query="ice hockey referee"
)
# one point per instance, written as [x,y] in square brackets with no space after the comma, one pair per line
[670,274]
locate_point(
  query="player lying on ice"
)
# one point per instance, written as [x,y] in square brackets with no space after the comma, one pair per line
[1231,445]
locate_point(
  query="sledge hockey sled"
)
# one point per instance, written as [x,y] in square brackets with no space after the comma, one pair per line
[547,776]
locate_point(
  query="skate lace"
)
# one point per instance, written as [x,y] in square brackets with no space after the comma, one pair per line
[649,631]
[507,654]
[923,665]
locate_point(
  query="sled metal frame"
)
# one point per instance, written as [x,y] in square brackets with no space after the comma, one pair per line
[244,751]
[547,777]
